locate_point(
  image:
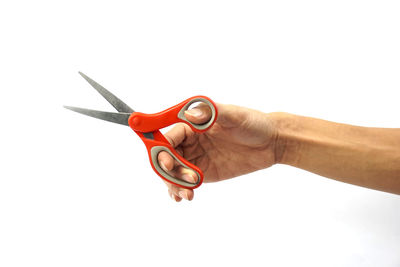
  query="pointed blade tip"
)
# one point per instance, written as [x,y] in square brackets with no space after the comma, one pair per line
[70,108]
[120,118]
[83,74]
[117,103]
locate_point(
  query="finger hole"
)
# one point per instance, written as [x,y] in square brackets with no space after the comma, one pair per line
[181,172]
[186,174]
[198,113]
[174,170]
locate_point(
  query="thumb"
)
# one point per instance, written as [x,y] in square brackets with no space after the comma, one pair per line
[199,115]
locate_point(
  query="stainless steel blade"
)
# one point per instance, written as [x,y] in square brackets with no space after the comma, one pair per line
[121,118]
[117,103]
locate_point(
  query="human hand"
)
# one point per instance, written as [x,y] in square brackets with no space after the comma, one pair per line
[241,141]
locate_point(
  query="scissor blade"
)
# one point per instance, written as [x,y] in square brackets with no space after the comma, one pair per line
[112,99]
[121,118]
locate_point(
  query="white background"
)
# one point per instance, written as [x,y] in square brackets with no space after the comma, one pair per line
[76,191]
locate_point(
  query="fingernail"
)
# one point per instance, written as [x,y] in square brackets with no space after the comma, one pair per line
[183,194]
[163,166]
[196,112]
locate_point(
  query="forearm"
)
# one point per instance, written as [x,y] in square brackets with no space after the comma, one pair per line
[368,157]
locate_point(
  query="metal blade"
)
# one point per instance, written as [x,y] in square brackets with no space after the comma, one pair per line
[112,99]
[121,118]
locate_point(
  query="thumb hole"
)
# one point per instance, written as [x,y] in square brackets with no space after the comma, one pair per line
[199,114]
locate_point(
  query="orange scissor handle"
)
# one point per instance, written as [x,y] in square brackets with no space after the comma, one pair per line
[159,144]
[143,124]
[151,122]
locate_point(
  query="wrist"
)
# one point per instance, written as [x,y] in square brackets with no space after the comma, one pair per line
[286,144]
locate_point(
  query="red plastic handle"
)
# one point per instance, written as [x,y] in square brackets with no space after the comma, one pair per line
[158,144]
[151,122]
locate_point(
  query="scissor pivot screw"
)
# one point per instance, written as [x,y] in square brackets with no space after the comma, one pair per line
[136,121]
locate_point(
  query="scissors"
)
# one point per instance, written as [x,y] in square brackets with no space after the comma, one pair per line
[147,127]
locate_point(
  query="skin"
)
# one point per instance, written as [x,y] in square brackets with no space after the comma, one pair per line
[244,140]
